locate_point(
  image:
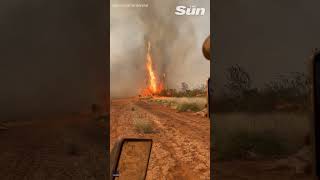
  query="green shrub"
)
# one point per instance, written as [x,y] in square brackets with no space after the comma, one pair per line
[188,107]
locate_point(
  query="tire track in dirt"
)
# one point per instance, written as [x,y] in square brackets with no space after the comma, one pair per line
[187,135]
[181,141]
[122,117]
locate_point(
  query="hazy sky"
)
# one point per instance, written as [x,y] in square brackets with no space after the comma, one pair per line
[176,43]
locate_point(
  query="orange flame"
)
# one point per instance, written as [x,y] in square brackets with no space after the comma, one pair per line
[152,77]
[154,85]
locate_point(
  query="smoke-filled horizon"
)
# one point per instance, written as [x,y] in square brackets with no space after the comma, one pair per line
[176,43]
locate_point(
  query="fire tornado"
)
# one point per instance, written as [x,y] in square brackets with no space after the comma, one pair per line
[154,86]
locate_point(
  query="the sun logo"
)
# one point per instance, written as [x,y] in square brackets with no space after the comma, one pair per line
[190,11]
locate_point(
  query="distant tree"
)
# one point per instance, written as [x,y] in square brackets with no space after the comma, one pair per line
[184,87]
[203,87]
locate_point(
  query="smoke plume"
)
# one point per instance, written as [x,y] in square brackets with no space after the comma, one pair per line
[175,44]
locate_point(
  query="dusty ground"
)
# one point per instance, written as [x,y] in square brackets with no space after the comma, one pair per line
[181,148]
[49,149]
[182,145]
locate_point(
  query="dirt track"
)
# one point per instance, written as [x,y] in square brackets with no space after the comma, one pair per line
[62,148]
[181,147]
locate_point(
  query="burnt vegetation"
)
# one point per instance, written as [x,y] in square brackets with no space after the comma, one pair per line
[287,92]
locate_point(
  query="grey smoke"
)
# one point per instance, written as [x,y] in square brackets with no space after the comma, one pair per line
[175,42]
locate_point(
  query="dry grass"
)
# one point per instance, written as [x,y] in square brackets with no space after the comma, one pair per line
[188,107]
[176,102]
[143,126]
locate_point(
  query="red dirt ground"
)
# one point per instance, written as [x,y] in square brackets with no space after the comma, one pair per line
[181,148]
